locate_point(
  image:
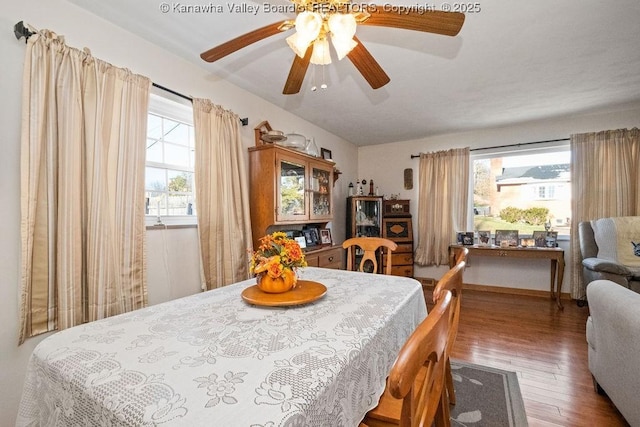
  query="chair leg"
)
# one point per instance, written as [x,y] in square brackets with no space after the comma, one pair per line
[449,383]
[443,416]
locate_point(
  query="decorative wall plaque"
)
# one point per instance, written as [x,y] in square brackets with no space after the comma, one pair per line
[408,179]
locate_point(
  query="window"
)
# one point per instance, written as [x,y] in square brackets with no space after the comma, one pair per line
[169,181]
[522,190]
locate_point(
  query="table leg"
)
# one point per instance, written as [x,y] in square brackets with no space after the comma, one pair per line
[559,281]
[554,264]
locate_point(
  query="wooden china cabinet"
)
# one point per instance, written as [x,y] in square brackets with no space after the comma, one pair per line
[291,188]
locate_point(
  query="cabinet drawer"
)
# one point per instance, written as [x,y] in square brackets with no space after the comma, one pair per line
[402,270]
[404,247]
[313,260]
[402,259]
[331,259]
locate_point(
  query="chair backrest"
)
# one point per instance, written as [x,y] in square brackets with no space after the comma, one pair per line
[452,282]
[462,254]
[417,375]
[587,240]
[369,245]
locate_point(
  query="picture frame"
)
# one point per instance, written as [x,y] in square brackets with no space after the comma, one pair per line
[465,238]
[545,239]
[484,237]
[468,238]
[325,154]
[302,241]
[311,236]
[325,236]
[507,238]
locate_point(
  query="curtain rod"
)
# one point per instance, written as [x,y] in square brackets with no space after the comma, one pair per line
[413,156]
[244,121]
[20,31]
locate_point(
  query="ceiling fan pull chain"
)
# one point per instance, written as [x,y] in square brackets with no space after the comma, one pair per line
[323,85]
[313,85]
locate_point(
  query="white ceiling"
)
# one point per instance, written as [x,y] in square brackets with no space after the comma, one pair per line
[513,61]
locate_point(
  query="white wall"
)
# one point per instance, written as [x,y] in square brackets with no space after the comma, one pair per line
[173,266]
[487,271]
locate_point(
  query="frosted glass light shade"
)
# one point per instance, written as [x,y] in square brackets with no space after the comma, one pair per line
[343,47]
[343,28]
[342,25]
[308,25]
[321,55]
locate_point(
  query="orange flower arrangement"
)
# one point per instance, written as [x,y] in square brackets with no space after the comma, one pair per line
[277,256]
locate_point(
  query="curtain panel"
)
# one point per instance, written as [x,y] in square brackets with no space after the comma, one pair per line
[605,182]
[82,184]
[222,195]
[442,203]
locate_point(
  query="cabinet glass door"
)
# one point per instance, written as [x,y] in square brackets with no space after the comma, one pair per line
[320,191]
[367,218]
[291,193]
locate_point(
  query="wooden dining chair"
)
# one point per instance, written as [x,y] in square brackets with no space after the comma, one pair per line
[415,395]
[452,282]
[369,245]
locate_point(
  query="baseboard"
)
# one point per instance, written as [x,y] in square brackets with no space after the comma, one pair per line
[430,283]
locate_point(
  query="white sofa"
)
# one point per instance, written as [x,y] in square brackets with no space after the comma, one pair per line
[613,336]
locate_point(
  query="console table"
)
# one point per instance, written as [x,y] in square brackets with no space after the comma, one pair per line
[556,255]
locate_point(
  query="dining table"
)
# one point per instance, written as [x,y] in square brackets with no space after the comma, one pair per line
[217,358]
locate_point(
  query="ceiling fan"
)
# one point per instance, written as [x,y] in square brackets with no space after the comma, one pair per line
[317,21]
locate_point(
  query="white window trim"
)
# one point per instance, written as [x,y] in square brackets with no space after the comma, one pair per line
[176,108]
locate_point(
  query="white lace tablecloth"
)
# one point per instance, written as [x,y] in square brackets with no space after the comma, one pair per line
[213,360]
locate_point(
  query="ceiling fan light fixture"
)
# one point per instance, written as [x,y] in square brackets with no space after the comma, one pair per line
[343,47]
[321,55]
[308,26]
[342,25]
[343,29]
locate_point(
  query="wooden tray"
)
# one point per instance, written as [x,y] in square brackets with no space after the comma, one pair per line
[305,291]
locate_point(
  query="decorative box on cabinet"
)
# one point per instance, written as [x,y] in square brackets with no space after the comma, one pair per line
[399,229]
[288,187]
[396,207]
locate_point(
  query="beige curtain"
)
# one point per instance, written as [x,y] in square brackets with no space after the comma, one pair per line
[82,182]
[222,195]
[605,182]
[442,203]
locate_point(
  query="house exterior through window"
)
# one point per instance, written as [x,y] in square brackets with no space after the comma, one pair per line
[522,192]
[169,181]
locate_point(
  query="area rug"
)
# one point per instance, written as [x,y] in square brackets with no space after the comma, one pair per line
[486,397]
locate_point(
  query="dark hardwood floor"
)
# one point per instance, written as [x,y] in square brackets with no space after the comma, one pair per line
[545,346]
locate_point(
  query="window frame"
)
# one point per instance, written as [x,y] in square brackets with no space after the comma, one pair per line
[171,107]
[513,151]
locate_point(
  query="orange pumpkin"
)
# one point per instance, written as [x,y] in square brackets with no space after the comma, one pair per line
[277,285]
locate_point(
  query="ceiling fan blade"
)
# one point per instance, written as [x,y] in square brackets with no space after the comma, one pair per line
[238,43]
[297,73]
[368,66]
[432,21]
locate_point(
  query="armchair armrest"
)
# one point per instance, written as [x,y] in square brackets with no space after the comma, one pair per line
[605,266]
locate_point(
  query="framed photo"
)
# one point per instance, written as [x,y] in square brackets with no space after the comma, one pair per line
[311,236]
[545,239]
[325,154]
[302,241]
[505,238]
[468,238]
[325,236]
[465,238]
[484,237]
